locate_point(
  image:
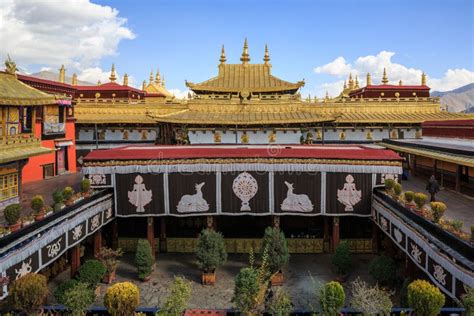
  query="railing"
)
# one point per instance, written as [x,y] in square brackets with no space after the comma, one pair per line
[20,140]
[53,128]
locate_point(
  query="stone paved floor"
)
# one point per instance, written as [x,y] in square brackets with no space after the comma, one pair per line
[299,276]
[460,207]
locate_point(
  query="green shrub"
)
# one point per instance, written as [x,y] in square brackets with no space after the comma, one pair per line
[383,269]
[61,289]
[280,303]
[246,289]
[28,293]
[389,184]
[68,192]
[420,199]
[397,189]
[121,299]
[37,203]
[210,250]
[79,298]
[12,213]
[91,272]
[404,292]
[341,259]
[457,224]
[58,196]
[144,259]
[438,209]
[409,195]
[370,300]
[177,300]
[468,300]
[425,298]
[275,243]
[331,298]
[85,185]
[109,258]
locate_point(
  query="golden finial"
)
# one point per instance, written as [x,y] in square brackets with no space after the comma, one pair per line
[345,85]
[356,83]
[327,95]
[351,82]
[112,77]
[423,79]
[74,79]
[384,78]
[98,82]
[163,82]
[369,80]
[158,77]
[245,53]
[62,74]
[266,57]
[10,66]
[144,85]
[400,83]
[222,59]
[125,80]
[151,76]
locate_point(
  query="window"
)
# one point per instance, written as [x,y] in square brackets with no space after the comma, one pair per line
[9,183]
[48,171]
[26,119]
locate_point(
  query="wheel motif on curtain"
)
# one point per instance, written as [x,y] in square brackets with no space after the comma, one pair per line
[245,187]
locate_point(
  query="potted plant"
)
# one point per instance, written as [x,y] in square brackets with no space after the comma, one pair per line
[275,244]
[68,194]
[383,269]
[86,187]
[409,195]
[4,231]
[280,303]
[60,291]
[12,216]
[342,261]
[108,257]
[121,299]
[420,200]
[331,298]
[438,209]
[370,300]
[176,302]
[425,298]
[78,298]
[58,199]
[246,289]
[210,254]
[389,183]
[28,293]
[397,190]
[144,259]
[92,272]
[37,204]
[27,220]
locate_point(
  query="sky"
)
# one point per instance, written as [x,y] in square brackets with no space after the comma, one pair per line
[318,41]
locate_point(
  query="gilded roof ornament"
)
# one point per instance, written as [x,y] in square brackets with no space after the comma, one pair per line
[266,56]
[74,79]
[10,66]
[151,76]
[345,85]
[385,78]
[356,83]
[223,59]
[163,82]
[400,83]
[368,80]
[351,82]
[112,77]
[98,82]
[423,79]
[245,53]
[158,77]
[125,80]
[144,85]
[62,74]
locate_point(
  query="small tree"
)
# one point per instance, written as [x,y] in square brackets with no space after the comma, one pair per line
[79,298]
[425,298]
[28,293]
[178,299]
[121,299]
[331,298]
[85,185]
[468,300]
[58,200]
[108,257]
[144,259]
[61,289]
[420,199]
[275,243]
[12,213]
[389,183]
[409,195]
[91,272]
[397,189]
[370,300]
[68,192]
[438,209]
[210,250]
[246,290]
[383,269]
[37,203]
[342,258]
[280,303]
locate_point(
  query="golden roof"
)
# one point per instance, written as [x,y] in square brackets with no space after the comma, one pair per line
[157,88]
[21,146]
[13,92]
[356,117]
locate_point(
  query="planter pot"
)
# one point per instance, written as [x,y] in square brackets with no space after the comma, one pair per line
[26,223]
[15,227]
[146,279]
[342,278]
[208,278]
[277,279]
[109,277]
[69,202]
[86,194]
[410,206]
[39,216]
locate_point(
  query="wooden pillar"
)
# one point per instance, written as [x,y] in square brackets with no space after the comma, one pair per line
[326,238]
[150,234]
[458,178]
[163,234]
[75,259]
[335,233]
[275,221]
[114,228]
[210,223]
[435,167]
[97,242]
[375,238]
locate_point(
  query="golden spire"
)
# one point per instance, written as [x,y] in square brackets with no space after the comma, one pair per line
[345,85]
[245,53]
[369,80]
[222,59]
[384,78]
[98,82]
[158,77]
[351,82]
[74,79]
[423,79]
[400,83]
[144,85]
[163,82]
[266,57]
[125,80]
[356,83]
[151,76]
[112,77]
[62,74]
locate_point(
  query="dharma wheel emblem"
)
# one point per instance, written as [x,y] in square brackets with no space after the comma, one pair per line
[245,187]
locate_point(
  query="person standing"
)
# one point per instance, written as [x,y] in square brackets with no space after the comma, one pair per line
[433,188]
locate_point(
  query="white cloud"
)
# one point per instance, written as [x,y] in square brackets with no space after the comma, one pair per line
[93,74]
[76,33]
[179,94]
[374,64]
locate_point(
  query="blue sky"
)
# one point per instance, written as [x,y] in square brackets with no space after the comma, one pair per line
[183,39]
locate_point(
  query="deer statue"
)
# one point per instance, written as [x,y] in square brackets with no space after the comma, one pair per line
[296,202]
[193,203]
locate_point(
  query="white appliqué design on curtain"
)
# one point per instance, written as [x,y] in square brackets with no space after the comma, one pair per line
[193,203]
[296,202]
[139,196]
[245,187]
[349,195]
[24,270]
